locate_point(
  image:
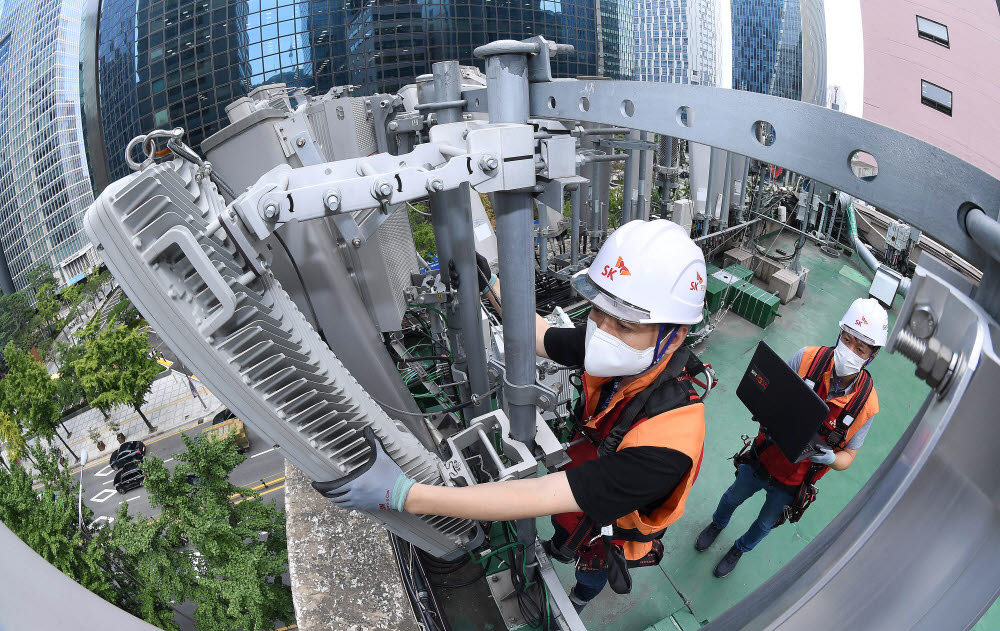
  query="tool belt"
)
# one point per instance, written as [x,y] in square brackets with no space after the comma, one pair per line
[803,495]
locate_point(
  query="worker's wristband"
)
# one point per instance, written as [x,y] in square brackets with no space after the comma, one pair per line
[400,490]
[489,285]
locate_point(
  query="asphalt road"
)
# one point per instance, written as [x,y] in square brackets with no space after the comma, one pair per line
[263,470]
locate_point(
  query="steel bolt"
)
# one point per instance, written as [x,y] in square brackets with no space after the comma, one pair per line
[356,242]
[393,126]
[270,210]
[385,189]
[922,322]
[435,185]
[332,201]
[300,142]
[488,163]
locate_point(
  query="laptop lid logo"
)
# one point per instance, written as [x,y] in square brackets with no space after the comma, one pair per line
[759,378]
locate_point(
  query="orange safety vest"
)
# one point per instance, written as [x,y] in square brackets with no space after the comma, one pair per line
[681,428]
[794,474]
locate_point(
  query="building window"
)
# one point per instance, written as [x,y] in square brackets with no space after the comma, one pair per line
[932,31]
[935,96]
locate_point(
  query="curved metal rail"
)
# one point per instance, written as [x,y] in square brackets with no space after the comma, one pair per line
[919,545]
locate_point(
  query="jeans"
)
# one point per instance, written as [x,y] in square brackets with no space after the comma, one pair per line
[589,583]
[747,484]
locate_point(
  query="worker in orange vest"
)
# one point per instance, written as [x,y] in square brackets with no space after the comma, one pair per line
[639,429]
[838,375]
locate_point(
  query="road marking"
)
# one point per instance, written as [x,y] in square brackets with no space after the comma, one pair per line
[294,626]
[167,460]
[129,499]
[277,488]
[164,362]
[264,452]
[109,482]
[106,471]
[155,440]
[103,496]
[259,486]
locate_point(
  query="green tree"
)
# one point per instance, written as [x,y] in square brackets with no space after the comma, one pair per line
[28,393]
[15,314]
[242,544]
[46,519]
[108,562]
[40,275]
[69,390]
[11,438]
[423,232]
[117,368]
[163,574]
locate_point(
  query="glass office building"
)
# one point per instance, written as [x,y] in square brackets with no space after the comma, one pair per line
[616,58]
[680,41]
[177,63]
[44,184]
[767,47]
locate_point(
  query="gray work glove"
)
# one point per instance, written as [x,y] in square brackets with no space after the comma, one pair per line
[825,456]
[379,484]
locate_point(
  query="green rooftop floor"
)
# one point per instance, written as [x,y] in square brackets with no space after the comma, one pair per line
[682,592]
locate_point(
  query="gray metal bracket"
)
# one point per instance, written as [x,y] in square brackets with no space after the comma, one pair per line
[529,394]
[477,436]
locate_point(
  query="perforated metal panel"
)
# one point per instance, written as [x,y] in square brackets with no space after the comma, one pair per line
[365,129]
[248,341]
[395,239]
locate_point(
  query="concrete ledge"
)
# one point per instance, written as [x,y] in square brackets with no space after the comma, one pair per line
[343,573]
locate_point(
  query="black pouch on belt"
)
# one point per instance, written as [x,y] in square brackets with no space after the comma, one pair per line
[618,577]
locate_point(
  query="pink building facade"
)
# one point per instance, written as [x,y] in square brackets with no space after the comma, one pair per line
[932,70]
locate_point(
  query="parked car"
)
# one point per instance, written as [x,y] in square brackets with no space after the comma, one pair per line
[127,453]
[129,478]
[223,416]
[233,426]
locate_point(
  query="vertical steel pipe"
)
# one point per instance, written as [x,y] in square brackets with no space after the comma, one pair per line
[507,93]
[642,203]
[451,218]
[574,206]
[713,185]
[627,183]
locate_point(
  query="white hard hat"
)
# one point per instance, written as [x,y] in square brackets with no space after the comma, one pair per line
[647,272]
[867,321]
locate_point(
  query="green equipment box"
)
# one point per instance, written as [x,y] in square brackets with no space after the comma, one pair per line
[740,272]
[755,304]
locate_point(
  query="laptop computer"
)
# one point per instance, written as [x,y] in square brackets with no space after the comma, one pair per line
[788,409]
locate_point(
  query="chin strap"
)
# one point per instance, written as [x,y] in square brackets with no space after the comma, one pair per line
[658,353]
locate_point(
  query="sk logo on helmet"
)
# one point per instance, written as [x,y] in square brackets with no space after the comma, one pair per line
[861,321]
[619,268]
[698,283]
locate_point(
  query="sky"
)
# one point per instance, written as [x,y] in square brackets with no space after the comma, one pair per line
[845,65]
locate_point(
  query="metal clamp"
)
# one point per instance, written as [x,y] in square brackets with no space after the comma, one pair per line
[521,394]
[476,435]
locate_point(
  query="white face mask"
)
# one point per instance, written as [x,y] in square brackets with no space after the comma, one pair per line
[608,356]
[845,361]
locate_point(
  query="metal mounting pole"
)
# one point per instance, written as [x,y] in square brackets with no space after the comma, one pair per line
[627,183]
[642,203]
[451,218]
[710,196]
[574,205]
[727,195]
[507,92]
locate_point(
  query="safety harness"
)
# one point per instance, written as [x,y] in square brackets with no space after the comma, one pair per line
[806,493]
[670,390]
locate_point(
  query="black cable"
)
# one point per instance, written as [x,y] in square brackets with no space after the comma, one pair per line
[480,576]
[302,282]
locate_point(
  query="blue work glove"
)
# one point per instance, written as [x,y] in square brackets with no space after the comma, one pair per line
[379,484]
[825,456]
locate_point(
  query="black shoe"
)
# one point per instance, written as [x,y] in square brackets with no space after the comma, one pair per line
[728,562]
[707,537]
[578,603]
[555,554]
